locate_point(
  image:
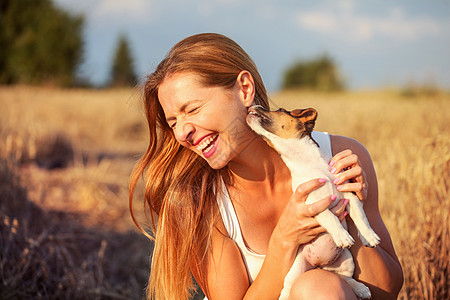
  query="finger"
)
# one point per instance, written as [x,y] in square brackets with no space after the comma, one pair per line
[360,189]
[340,156]
[342,216]
[316,231]
[311,234]
[340,207]
[315,208]
[356,187]
[303,190]
[355,174]
[345,162]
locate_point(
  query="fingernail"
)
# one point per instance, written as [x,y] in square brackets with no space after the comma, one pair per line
[322,180]
[339,187]
[331,163]
[345,201]
[333,170]
[345,213]
[333,197]
[336,180]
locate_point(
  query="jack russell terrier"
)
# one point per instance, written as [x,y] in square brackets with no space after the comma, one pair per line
[289,133]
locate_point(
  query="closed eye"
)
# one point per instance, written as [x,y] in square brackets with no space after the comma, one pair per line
[193,110]
[172,125]
[191,107]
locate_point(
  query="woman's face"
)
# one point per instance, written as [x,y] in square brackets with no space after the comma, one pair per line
[208,120]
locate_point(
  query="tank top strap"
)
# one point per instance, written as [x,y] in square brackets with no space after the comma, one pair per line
[253,261]
[229,217]
[324,141]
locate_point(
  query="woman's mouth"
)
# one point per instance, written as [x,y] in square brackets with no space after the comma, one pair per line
[208,145]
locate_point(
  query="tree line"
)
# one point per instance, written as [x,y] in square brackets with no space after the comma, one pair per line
[41,43]
[320,73]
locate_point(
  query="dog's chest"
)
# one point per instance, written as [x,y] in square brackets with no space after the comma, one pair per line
[306,162]
[305,166]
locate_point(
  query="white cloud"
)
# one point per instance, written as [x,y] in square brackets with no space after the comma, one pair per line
[133,10]
[111,11]
[343,20]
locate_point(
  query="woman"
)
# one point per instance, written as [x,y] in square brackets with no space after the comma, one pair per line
[221,202]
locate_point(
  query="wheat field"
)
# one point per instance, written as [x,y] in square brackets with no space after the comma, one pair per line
[65,158]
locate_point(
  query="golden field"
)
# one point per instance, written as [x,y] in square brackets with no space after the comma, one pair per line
[66,155]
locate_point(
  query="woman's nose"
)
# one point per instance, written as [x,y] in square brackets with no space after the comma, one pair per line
[184,132]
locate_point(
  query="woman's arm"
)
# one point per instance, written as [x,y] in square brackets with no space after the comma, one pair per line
[378,267]
[226,275]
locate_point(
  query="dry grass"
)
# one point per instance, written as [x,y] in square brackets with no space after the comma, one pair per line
[65,158]
[50,254]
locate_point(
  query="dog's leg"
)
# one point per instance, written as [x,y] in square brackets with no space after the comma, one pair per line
[299,267]
[344,266]
[356,212]
[331,223]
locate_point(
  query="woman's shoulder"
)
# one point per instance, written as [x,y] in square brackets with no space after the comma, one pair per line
[340,143]
[226,272]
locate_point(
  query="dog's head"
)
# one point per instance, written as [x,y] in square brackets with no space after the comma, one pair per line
[282,123]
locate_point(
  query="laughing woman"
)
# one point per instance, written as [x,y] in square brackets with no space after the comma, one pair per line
[221,202]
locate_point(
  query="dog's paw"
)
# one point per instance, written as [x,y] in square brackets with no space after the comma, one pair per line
[369,238]
[361,290]
[343,239]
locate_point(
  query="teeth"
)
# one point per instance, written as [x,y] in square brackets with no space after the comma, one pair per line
[208,148]
[206,144]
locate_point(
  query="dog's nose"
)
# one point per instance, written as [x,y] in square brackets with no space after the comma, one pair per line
[256,108]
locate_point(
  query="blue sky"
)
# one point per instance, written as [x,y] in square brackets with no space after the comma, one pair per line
[376,44]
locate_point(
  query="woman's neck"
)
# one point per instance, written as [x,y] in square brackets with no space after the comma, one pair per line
[258,167]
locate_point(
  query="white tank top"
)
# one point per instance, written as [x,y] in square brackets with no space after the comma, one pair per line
[253,261]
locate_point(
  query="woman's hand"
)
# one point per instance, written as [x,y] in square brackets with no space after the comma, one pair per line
[352,178]
[297,224]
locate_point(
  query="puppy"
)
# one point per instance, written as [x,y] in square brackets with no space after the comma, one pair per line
[289,133]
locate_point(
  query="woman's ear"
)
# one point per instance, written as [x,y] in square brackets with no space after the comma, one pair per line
[245,86]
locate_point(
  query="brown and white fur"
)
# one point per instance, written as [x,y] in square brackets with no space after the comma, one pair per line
[289,133]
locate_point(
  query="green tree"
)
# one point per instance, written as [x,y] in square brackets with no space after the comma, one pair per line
[318,74]
[122,69]
[39,43]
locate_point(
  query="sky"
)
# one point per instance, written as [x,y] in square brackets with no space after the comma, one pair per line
[376,44]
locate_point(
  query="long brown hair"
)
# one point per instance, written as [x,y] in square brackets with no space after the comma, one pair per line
[180,187]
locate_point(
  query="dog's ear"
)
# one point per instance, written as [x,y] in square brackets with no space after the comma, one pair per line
[307,116]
